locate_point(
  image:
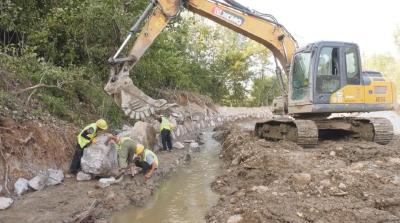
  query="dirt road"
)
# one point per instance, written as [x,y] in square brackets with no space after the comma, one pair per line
[346,180]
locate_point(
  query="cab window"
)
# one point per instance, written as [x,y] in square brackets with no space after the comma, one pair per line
[328,73]
[301,76]
[352,66]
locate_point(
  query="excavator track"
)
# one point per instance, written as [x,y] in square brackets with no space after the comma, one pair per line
[378,130]
[303,132]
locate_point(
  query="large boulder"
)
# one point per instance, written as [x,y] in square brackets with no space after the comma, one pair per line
[5,203]
[100,159]
[143,133]
[21,186]
[55,177]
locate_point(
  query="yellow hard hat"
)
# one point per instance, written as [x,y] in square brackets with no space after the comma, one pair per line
[139,149]
[102,124]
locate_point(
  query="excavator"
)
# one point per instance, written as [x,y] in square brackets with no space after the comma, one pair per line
[323,79]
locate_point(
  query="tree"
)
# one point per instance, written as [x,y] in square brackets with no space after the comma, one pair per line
[265,89]
[397,37]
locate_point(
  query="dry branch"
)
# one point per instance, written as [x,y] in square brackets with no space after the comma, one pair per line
[85,214]
[7,129]
[27,139]
[38,86]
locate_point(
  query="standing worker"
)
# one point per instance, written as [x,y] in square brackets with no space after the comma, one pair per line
[125,148]
[148,161]
[85,138]
[165,129]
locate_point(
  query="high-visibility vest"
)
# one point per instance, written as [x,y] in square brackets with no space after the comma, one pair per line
[123,139]
[165,124]
[83,141]
[149,152]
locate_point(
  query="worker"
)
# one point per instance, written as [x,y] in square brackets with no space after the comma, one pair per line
[85,138]
[125,148]
[165,128]
[148,161]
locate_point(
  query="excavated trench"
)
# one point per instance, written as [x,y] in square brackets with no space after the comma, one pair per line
[186,196]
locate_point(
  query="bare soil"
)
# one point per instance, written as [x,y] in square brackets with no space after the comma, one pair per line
[30,146]
[343,180]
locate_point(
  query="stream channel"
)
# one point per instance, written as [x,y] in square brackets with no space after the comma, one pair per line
[186,196]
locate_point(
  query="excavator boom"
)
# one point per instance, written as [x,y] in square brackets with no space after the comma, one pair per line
[257,26]
[262,28]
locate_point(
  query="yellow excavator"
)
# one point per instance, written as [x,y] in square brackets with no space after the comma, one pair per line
[323,78]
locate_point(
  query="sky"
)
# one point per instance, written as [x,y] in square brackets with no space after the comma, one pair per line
[369,23]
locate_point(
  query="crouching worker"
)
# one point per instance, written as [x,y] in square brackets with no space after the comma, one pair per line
[85,138]
[147,160]
[125,148]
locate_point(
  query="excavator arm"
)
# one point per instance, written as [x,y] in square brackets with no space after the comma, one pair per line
[262,28]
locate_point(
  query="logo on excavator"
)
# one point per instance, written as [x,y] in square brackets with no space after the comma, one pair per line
[235,19]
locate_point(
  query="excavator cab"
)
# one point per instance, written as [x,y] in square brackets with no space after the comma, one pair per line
[325,77]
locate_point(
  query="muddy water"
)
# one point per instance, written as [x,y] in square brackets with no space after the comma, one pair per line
[186,196]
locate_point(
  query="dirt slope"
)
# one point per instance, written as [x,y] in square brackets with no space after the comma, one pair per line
[337,181]
[30,146]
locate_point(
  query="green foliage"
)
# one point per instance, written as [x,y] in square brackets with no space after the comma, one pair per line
[55,105]
[7,99]
[67,43]
[265,89]
[72,98]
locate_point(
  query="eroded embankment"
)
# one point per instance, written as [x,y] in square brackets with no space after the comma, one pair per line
[337,181]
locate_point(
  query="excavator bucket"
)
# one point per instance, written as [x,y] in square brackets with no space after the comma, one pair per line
[134,102]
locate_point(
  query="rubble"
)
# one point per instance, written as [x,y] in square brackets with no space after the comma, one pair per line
[21,186]
[5,203]
[194,145]
[106,182]
[81,176]
[55,177]
[178,145]
[38,182]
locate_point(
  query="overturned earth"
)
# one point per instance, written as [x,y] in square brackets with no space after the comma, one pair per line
[345,180]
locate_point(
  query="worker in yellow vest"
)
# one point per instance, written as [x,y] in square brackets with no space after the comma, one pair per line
[165,130]
[125,147]
[148,161]
[85,138]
